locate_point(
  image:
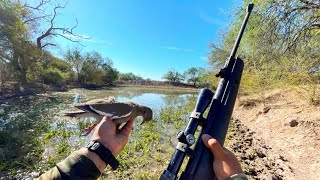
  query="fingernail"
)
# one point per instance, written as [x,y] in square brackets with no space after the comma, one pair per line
[206,136]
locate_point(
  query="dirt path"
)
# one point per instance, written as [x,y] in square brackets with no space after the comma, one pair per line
[277,136]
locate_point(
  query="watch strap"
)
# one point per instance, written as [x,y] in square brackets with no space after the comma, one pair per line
[104,153]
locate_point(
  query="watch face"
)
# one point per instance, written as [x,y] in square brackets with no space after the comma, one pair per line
[89,144]
[95,146]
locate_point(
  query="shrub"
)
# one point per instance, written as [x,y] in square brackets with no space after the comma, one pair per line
[54,76]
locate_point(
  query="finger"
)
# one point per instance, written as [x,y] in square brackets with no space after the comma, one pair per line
[107,118]
[106,122]
[126,129]
[214,146]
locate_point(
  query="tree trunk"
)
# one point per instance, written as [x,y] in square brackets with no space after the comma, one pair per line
[23,83]
[22,74]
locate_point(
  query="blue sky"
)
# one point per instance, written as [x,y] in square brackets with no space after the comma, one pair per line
[147,37]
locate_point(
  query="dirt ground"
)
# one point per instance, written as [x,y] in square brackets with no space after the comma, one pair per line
[276,136]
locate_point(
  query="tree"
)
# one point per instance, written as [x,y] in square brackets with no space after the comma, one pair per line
[193,75]
[56,71]
[75,59]
[5,74]
[282,39]
[297,20]
[35,15]
[19,24]
[129,77]
[15,50]
[91,68]
[207,79]
[111,74]
[173,77]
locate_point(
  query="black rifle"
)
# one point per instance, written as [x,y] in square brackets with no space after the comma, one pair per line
[216,124]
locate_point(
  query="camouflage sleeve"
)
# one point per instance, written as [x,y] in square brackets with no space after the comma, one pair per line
[75,166]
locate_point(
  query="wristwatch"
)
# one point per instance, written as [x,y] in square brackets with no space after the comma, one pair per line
[104,153]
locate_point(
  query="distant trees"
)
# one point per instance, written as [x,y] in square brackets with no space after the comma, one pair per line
[56,72]
[173,77]
[192,75]
[129,77]
[76,61]
[91,68]
[111,74]
[196,76]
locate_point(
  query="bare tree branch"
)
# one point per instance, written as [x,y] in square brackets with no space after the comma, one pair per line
[35,18]
[43,2]
[293,20]
[59,31]
[48,44]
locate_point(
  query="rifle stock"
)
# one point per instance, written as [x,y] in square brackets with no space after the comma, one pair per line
[200,164]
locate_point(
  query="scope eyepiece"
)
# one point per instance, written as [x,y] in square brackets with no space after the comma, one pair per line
[204,99]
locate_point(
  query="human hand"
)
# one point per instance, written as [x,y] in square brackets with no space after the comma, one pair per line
[108,135]
[225,163]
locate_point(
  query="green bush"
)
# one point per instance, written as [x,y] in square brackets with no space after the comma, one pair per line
[54,76]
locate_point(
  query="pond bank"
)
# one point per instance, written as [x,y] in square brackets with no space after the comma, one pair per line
[10,91]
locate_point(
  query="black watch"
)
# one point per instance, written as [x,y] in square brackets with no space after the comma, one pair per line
[104,153]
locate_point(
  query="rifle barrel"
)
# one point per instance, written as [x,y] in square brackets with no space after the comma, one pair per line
[243,26]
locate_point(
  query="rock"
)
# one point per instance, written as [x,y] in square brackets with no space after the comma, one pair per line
[293,123]
[265,110]
[283,158]
[276,177]
[260,154]
[34,174]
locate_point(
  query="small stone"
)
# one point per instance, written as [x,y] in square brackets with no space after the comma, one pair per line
[293,123]
[283,158]
[265,110]
[260,154]
[276,177]
[34,174]
[247,161]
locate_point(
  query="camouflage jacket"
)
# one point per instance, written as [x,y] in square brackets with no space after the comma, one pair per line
[75,166]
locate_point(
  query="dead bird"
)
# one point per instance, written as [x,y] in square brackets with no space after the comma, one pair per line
[120,112]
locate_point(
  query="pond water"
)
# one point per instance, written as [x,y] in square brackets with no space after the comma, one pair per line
[33,130]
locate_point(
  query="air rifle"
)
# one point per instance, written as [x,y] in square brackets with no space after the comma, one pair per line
[216,123]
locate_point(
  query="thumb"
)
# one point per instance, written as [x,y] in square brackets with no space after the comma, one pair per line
[126,129]
[214,146]
[107,118]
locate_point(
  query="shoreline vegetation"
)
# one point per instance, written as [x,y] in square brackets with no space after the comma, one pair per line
[11,93]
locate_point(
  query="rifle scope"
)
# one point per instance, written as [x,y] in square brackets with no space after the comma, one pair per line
[186,138]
